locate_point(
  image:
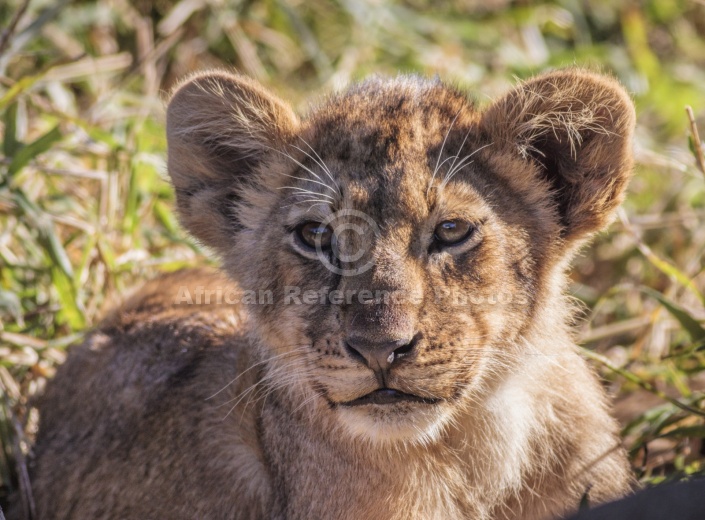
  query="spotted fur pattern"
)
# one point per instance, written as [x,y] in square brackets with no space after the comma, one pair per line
[226,411]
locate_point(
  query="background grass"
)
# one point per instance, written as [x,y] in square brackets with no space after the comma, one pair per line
[85,211]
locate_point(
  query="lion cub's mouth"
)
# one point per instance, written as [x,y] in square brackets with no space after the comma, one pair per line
[389,396]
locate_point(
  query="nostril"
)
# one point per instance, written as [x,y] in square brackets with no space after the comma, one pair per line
[379,354]
[355,354]
[403,350]
[408,347]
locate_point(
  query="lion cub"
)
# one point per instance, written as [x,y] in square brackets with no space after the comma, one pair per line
[391,339]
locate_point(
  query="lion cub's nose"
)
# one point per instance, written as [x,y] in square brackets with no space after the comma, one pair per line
[379,355]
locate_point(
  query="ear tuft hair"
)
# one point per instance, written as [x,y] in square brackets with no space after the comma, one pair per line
[577,127]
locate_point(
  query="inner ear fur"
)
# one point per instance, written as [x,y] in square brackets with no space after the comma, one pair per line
[220,128]
[576,127]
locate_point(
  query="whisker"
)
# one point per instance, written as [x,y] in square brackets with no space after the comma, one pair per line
[459,150]
[321,162]
[280,383]
[309,170]
[440,153]
[289,352]
[313,181]
[461,165]
[304,190]
[306,401]
[317,201]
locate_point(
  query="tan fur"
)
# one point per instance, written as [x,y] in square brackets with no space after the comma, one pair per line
[223,411]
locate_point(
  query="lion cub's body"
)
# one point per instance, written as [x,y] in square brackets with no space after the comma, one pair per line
[154,443]
[219,411]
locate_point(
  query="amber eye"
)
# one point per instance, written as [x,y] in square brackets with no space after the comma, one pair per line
[452,232]
[312,233]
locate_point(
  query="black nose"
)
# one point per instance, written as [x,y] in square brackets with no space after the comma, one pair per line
[379,355]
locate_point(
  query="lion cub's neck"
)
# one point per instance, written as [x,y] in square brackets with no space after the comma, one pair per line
[351,481]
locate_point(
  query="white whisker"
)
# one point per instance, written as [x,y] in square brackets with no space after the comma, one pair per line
[461,165]
[440,154]
[304,190]
[321,163]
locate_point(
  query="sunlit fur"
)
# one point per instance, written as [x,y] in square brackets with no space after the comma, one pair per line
[216,417]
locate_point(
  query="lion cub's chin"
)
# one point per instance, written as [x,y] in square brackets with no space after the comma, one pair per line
[395,423]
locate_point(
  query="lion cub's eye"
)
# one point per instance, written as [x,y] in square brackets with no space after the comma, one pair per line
[452,232]
[312,233]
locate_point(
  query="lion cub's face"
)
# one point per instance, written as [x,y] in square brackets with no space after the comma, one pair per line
[404,238]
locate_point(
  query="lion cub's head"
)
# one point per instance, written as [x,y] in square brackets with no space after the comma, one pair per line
[408,242]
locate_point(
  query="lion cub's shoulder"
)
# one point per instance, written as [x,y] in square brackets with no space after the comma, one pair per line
[157,343]
[187,296]
[159,373]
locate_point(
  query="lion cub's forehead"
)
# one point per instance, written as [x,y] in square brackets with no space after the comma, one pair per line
[381,119]
[384,140]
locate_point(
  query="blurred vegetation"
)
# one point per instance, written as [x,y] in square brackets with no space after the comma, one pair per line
[85,211]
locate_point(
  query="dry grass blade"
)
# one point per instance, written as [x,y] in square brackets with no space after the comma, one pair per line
[645,384]
[10,29]
[697,143]
[615,329]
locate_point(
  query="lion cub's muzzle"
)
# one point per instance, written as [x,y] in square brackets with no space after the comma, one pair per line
[381,355]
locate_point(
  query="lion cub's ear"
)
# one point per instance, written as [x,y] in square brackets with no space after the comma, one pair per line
[576,127]
[220,127]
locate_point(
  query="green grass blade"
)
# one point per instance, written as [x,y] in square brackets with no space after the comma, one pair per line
[33,149]
[672,271]
[10,145]
[695,330]
[70,308]
[47,236]
[18,88]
